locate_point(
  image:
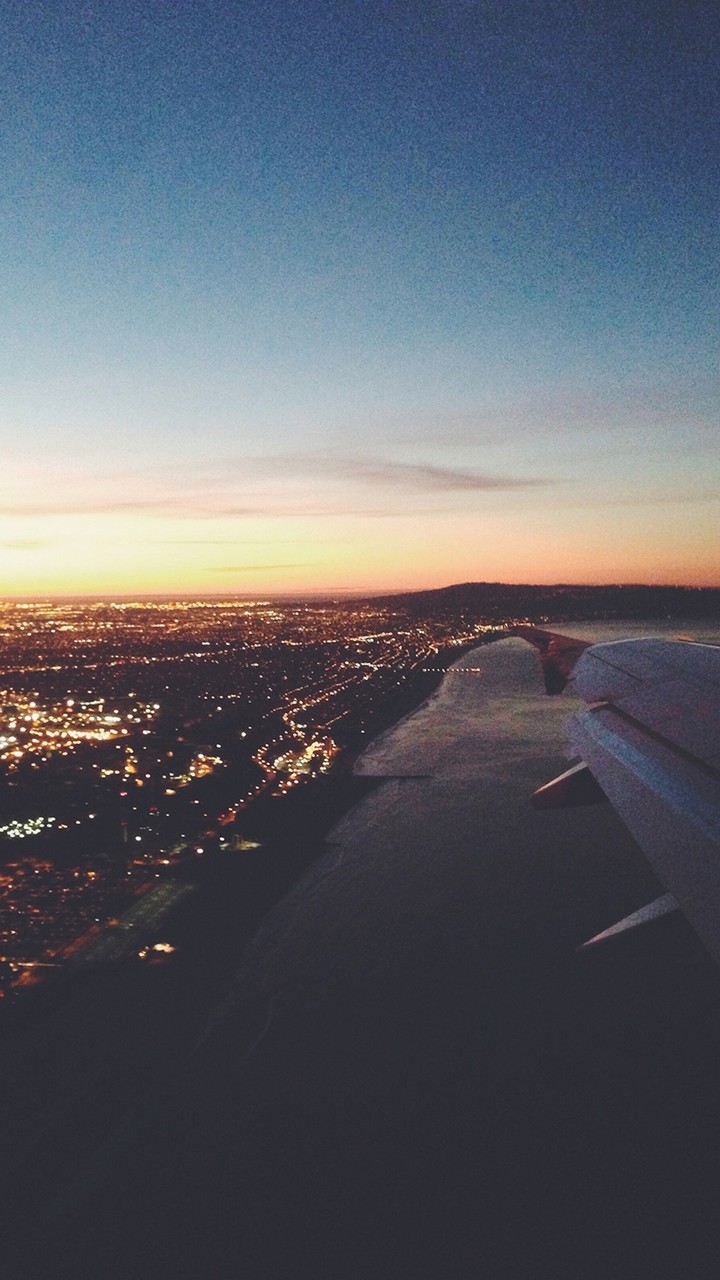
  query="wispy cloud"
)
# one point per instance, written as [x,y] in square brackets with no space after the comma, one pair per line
[223,542]
[22,544]
[310,485]
[417,477]
[256,568]
[191,503]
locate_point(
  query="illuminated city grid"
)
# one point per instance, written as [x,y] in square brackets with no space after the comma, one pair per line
[134,735]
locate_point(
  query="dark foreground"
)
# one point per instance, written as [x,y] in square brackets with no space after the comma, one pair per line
[415,1075]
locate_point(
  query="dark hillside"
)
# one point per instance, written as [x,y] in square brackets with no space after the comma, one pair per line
[499,602]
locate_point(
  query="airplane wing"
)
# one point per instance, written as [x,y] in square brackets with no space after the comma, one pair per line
[650,743]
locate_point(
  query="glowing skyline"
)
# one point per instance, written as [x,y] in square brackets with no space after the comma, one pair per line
[358,297]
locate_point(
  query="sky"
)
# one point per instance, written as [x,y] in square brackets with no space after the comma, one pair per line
[358,295]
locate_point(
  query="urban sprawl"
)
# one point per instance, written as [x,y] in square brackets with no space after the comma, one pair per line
[134,736]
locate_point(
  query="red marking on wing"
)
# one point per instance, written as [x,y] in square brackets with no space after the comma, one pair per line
[558,654]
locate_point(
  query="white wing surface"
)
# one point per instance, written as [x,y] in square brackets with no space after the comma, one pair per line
[651,739]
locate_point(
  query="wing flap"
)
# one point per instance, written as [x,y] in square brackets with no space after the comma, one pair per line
[664,906]
[668,802]
[575,787]
[651,739]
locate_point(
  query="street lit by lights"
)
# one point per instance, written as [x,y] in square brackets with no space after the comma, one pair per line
[157,723]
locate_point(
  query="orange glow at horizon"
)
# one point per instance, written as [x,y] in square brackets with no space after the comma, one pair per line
[106,553]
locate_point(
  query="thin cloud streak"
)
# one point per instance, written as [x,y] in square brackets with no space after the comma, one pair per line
[273,486]
[222,542]
[256,568]
[23,544]
[401,475]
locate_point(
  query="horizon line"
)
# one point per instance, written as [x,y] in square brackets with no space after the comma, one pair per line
[330,592]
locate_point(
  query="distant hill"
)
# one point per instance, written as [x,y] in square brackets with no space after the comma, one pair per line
[498,601]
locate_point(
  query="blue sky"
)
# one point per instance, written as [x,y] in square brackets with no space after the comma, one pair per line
[420,292]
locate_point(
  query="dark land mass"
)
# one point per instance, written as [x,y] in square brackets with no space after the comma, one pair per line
[499,601]
[455,1097]
[432,1101]
[454,1112]
[82,1053]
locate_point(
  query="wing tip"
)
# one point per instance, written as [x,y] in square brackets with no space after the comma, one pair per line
[558,654]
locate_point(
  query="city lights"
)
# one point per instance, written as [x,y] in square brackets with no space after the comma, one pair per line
[149,726]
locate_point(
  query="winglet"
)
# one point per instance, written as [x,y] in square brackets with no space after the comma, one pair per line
[558,654]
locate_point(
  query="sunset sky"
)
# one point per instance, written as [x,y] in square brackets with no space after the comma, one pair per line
[344,295]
